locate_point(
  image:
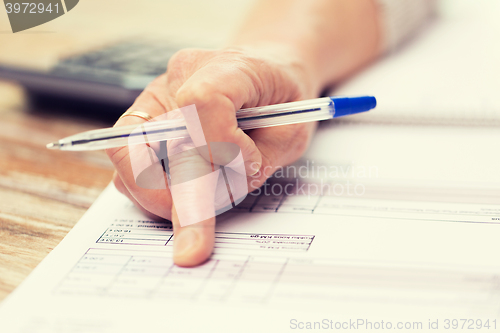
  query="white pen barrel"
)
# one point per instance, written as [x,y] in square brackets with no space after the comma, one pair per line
[285,114]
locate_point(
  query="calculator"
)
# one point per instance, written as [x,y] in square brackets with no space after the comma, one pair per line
[113,75]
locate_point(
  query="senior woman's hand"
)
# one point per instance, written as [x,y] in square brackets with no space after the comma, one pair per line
[218,83]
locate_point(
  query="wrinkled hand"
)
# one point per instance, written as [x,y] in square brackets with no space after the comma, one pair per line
[218,83]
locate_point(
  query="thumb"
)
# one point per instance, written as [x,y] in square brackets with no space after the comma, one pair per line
[193,186]
[193,244]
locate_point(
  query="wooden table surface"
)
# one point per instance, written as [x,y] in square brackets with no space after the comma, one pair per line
[44,193]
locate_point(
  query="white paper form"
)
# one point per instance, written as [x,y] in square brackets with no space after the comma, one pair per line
[277,259]
[427,157]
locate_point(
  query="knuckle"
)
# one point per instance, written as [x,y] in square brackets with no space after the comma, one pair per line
[233,54]
[183,63]
[200,93]
[179,58]
[185,58]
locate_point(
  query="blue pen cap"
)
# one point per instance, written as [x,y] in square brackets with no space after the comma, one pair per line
[350,105]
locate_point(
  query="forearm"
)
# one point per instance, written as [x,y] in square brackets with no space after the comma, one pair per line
[330,38]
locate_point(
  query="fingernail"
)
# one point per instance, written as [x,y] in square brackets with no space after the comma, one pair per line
[185,242]
[252,167]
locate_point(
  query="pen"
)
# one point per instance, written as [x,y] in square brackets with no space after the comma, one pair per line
[265,116]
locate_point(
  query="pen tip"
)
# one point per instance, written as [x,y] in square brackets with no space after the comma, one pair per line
[52,145]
